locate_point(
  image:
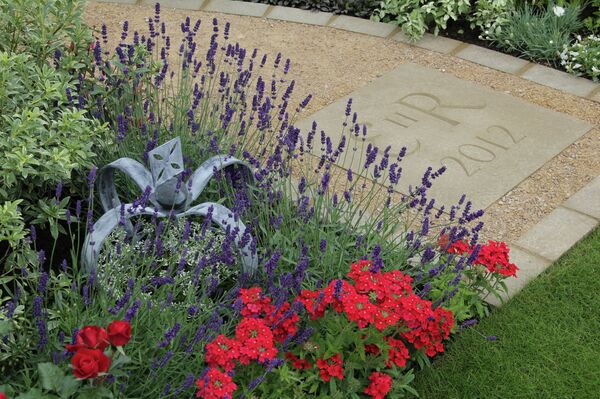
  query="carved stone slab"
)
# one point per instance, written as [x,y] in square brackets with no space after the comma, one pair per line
[489,141]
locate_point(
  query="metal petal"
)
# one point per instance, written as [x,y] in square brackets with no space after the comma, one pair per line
[206,171]
[103,227]
[106,181]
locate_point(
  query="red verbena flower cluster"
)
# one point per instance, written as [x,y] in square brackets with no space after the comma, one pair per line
[494,255]
[90,360]
[215,385]
[331,367]
[262,326]
[380,385]
[383,300]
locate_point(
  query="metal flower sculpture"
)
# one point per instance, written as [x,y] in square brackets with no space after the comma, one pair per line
[168,195]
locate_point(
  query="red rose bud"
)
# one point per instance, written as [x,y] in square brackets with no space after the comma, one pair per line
[88,363]
[119,332]
[3,395]
[90,337]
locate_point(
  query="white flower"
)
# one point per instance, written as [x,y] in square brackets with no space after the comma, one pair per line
[558,11]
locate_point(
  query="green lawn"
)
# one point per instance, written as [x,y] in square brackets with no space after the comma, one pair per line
[548,340]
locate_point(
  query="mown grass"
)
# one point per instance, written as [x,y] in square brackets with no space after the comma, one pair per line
[548,340]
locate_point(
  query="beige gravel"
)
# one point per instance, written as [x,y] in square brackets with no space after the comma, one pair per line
[330,63]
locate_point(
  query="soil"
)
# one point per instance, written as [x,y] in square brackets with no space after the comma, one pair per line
[330,64]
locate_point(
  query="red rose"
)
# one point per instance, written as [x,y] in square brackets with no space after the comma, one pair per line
[90,337]
[119,332]
[88,363]
[3,395]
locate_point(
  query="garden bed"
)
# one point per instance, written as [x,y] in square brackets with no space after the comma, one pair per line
[237,263]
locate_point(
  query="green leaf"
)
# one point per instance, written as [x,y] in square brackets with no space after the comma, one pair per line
[95,393]
[69,386]
[51,376]
[35,393]
[6,327]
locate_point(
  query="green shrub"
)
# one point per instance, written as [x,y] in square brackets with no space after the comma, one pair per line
[40,27]
[592,21]
[44,137]
[582,58]
[539,35]
[418,16]
[489,16]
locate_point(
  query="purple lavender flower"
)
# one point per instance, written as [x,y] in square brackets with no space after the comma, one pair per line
[132,311]
[40,322]
[43,283]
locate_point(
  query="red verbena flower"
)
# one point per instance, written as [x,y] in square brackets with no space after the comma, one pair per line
[380,385]
[397,354]
[331,367]
[495,257]
[300,364]
[256,341]
[359,309]
[282,323]
[222,352]
[255,302]
[215,385]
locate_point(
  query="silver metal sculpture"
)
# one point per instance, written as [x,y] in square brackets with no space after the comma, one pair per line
[168,195]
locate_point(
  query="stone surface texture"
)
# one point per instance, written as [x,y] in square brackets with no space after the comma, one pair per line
[557,232]
[492,59]
[438,44]
[180,4]
[559,80]
[299,16]
[587,200]
[530,266]
[361,25]
[488,140]
[236,7]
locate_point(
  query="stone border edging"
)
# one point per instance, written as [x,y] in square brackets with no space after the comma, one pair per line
[556,233]
[492,59]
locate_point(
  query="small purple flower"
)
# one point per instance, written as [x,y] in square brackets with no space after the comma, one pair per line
[43,283]
[132,311]
[169,335]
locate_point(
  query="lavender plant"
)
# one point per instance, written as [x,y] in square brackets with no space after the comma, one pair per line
[310,217]
[218,102]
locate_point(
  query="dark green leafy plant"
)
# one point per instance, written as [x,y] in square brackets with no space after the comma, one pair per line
[357,8]
[540,35]
[46,136]
[40,28]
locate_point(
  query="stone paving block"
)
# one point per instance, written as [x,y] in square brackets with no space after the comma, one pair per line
[401,37]
[530,266]
[488,140]
[179,4]
[438,44]
[299,16]
[559,80]
[236,7]
[556,233]
[492,59]
[117,1]
[587,200]
[361,25]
